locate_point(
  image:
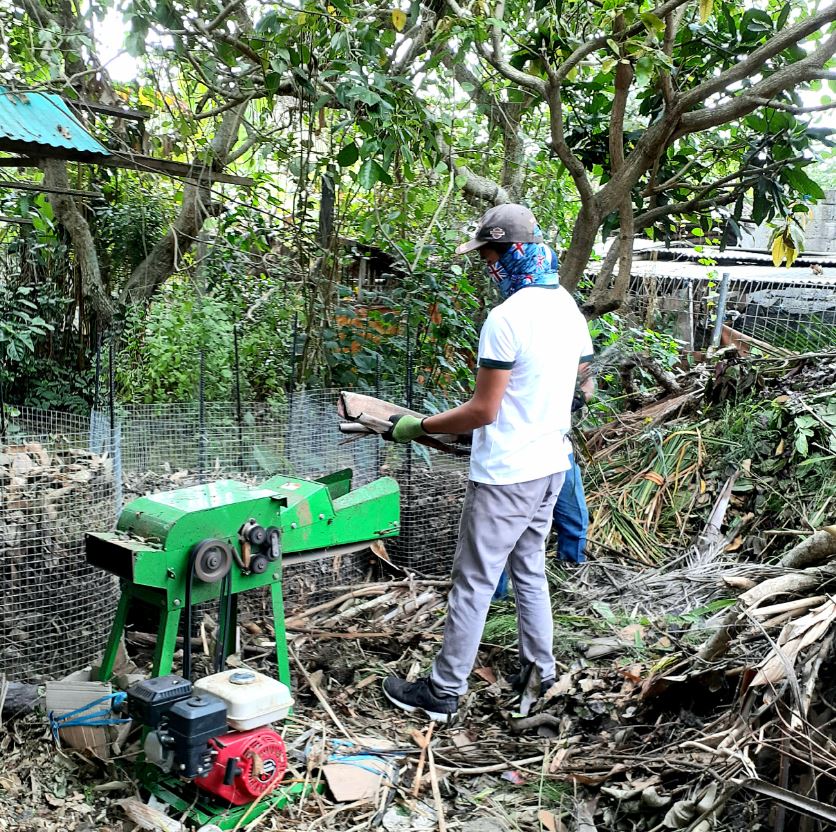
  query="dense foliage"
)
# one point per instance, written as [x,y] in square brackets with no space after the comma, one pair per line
[373,135]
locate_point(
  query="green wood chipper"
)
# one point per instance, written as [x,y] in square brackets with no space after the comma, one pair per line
[209,749]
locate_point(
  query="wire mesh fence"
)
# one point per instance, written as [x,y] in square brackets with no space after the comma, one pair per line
[787,313]
[55,610]
[174,445]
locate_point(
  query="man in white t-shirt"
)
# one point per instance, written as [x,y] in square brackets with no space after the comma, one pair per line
[530,349]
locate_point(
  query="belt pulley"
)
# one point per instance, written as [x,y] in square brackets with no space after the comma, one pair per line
[212,560]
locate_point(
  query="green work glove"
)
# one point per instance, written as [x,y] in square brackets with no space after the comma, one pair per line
[404,429]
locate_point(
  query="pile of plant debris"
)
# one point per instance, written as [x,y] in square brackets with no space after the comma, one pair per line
[654,473]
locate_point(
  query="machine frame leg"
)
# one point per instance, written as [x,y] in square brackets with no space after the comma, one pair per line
[117,629]
[230,643]
[282,662]
[166,641]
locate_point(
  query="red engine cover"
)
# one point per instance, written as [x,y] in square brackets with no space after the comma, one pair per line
[248,764]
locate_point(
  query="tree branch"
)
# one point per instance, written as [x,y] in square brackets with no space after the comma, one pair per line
[477,186]
[750,65]
[696,204]
[560,147]
[165,257]
[789,108]
[743,104]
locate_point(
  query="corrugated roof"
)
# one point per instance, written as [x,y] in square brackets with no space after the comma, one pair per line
[32,121]
[761,274]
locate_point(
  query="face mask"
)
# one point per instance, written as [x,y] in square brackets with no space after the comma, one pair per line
[525,264]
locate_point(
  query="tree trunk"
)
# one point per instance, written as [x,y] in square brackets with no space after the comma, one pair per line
[164,258]
[583,239]
[84,248]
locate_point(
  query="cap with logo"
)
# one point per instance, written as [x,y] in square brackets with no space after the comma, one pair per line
[508,223]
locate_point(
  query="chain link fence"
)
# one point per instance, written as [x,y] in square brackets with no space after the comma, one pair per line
[62,475]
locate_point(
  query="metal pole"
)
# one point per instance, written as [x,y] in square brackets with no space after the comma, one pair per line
[721,311]
[377,454]
[293,348]
[115,443]
[111,387]
[238,415]
[201,399]
[409,390]
[2,411]
[291,386]
[691,314]
[97,387]
[202,439]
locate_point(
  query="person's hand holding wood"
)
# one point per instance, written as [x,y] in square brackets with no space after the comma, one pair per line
[405,429]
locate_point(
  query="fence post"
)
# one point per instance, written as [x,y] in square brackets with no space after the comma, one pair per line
[2,412]
[115,436]
[721,311]
[377,392]
[201,403]
[238,414]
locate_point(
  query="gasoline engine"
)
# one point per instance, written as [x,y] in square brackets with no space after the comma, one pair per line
[216,732]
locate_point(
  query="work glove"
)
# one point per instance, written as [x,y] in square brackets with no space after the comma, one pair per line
[404,429]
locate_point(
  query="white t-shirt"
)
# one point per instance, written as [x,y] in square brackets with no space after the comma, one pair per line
[541,336]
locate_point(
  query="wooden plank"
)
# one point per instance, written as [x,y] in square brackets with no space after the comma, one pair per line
[41,188]
[107,110]
[196,173]
[139,162]
[374,414]
[18,162]
[16,220]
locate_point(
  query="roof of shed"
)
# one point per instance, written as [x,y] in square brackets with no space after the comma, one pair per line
[40,121]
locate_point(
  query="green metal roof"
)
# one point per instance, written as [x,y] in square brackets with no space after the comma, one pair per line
[33,122]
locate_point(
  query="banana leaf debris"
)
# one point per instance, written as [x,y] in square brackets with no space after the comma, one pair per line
[695,689]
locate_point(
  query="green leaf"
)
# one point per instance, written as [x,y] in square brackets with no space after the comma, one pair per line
[370,174]
[802,183]
[348,155]
[706,8]
[783,16]
[801,445]
[653,22]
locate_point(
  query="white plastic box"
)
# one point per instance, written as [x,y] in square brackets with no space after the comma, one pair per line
[251,698]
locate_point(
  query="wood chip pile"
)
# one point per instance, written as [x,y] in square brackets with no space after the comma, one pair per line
[54,609]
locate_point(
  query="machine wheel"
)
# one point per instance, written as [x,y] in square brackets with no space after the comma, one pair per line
[212,560]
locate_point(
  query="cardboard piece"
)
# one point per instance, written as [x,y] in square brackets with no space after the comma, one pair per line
[355,772]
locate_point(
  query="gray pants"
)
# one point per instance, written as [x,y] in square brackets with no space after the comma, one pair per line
[501,524]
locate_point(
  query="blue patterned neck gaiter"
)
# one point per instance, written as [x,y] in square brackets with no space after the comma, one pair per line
[525,264]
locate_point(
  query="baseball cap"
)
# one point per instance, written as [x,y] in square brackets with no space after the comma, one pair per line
[508,223]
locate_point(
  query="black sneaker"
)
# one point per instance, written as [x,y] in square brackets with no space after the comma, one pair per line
[519,680]
[420,696]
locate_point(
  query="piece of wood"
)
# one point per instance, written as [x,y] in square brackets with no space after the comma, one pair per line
[107,109]
[422,741]
[439,805]
[317,692]
[195,174]
[353,406]
[40,188]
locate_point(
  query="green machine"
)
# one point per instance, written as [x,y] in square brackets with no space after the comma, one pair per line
[179,548]
[209,748]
